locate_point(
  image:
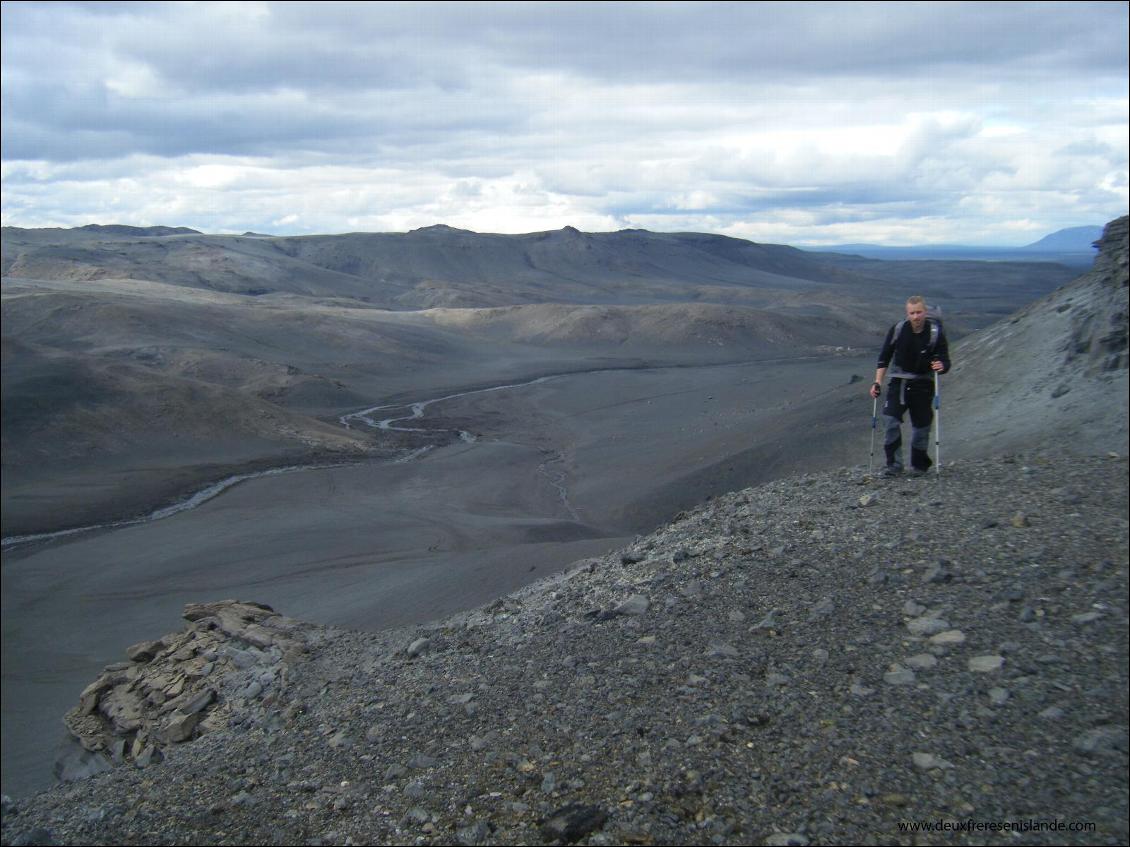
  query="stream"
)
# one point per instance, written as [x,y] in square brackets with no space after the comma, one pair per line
[365,416]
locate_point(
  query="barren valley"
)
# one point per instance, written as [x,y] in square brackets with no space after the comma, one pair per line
[595,385]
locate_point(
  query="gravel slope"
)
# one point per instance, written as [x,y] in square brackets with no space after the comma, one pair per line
[813,661]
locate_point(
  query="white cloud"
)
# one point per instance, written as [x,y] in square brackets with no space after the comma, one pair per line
[797,122]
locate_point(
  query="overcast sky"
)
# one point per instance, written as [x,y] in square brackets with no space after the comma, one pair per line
[797,123]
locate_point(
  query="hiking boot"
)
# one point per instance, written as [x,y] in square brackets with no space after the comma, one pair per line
[892,470]
[920,460]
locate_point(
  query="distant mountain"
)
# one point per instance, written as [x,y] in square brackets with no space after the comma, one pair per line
[1072,247]
[1072,238]
[107,233]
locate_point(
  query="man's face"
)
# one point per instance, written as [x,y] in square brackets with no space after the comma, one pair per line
[916,314]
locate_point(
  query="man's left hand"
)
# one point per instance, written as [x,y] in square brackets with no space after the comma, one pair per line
[937,365]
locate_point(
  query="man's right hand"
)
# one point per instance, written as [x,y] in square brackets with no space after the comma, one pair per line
[876,390]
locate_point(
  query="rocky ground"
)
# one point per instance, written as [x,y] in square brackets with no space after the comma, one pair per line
[825,659]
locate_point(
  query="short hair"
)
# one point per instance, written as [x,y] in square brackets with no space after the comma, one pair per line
[916,300]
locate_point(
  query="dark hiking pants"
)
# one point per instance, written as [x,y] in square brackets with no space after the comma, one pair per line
[917,397]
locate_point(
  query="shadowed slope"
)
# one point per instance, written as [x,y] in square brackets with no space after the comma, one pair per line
[444,267]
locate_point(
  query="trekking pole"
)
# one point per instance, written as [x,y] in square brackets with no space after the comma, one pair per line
[874,424]
[937,426]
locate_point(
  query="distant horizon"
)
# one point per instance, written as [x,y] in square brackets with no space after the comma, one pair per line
[801,244]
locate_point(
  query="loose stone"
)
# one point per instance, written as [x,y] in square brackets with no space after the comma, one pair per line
[986,664]
[573,822]
[928,761]
[998,696]
[898,675]
[950,636]
[927,626]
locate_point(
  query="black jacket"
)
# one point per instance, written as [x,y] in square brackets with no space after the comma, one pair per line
[912,352]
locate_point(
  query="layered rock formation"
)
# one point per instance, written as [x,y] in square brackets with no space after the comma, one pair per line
[231,660]
[1099,329]
[1054,375]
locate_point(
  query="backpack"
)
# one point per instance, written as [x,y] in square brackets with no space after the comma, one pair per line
[935,331]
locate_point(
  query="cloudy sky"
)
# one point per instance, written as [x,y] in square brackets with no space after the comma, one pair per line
[799,123]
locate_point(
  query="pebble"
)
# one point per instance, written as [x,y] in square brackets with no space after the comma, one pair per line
[767,622]
[637,604]
[725,651]
[928,761]
[787,839]
[1086,617]
[949,637]
[474,834]
[898,675]
[986,664]
[1102,740]
[927,626]
[573,822]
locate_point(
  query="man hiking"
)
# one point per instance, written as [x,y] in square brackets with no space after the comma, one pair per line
[914,351]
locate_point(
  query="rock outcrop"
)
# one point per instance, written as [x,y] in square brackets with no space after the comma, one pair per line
[1099,328]
[1054,375]
[232,659]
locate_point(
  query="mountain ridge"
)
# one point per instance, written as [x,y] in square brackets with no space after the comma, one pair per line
[443,266]
[410,265]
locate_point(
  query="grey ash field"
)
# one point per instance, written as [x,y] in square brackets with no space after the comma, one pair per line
[694,712]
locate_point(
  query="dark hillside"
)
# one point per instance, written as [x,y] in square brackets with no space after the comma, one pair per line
[441,266]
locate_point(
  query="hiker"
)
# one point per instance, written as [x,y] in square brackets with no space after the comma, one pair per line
[914,351]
